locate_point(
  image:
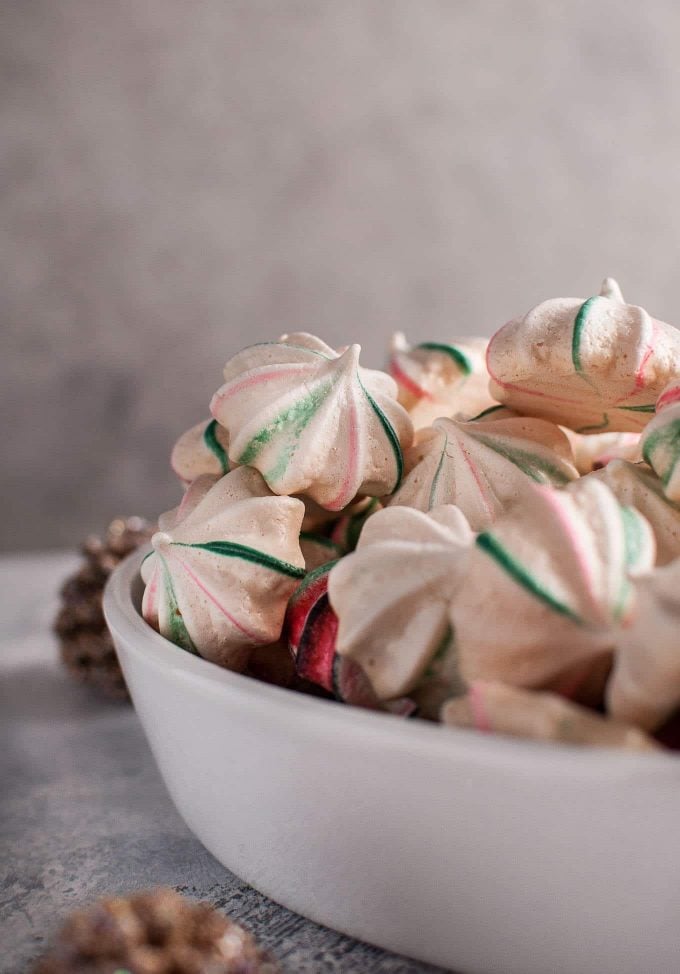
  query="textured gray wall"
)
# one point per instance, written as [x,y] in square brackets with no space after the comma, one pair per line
[183,177]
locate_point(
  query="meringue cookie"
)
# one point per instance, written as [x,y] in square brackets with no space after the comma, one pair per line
[392,595]
[591,365]
[592,451]
[661,440]
[313,421]
[437,379]
[223,567]
[202,449]
[311,629]
[548,587]
[637,486]
[645,685]
[483,466]
[500,709]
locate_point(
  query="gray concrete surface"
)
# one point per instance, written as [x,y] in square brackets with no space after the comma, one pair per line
[84,813]
[181,178]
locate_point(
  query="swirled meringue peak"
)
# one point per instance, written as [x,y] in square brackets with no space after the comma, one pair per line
[596,365]
[483,466]
[392,595]
[439,379]
[548,586]
[223,567]
[661,440]
[498,709]
[645,685]
[313,421]
[637,486]
[203,449]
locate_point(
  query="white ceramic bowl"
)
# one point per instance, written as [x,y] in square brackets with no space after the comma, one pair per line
[475,853]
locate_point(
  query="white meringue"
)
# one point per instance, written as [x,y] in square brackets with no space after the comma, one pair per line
[591,365]
[548,586]
[483,466]
[637,486]
[439,379]
[313,421]
[202,449]
[592,451]
[500,709]
[645,685]
[392,594]
[661,440]
[224,565]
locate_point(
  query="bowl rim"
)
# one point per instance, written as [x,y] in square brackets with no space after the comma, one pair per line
[450,744]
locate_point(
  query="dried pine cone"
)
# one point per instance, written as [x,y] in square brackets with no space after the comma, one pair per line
[154,932]
[86,645]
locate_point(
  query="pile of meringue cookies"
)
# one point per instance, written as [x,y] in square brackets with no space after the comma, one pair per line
[488,536]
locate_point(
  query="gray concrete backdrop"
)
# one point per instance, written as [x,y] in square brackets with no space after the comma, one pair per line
[182,177]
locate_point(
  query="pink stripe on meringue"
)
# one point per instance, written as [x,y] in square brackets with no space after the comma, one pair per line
[182,506]
[348,487]
[246,632]
[150,600]
[478,481]
[668,398]
[249,381]
[407,382]
[479,714]
[553,500]
[639,372]
[516,388]
[639,375]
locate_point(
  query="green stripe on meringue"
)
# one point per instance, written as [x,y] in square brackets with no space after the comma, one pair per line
[667,440]
[584,430]
[487,412]
[179,634]
[648,407]
[531,464]
[232,549]
[461,360]
[296,417]
[389,433]
[577,334]
[505,560]
[633,550]
[437,474]
[633,536]
[214,445]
